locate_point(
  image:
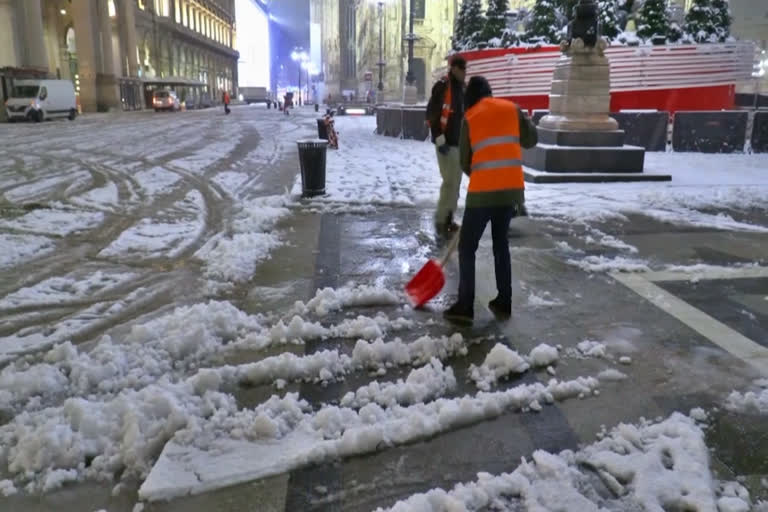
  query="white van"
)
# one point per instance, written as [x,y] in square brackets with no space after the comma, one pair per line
[37,100]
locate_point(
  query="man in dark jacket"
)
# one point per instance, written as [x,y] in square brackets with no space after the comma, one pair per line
[493,134]
[444,114]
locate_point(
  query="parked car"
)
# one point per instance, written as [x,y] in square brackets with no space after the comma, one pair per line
[165,100]
[38,100]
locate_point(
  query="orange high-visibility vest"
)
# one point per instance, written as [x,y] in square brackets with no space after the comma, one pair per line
[447,104]
[497,158]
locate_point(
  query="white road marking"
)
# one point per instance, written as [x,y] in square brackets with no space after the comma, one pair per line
[712,329]
[708,274]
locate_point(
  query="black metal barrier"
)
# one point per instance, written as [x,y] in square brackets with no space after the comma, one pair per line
[710,132]
[760,133]
[645,129]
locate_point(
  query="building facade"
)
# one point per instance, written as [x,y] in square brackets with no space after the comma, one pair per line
[117,51]
[350,43]
[350,46]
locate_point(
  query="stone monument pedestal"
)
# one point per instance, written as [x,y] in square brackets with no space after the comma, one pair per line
[578,140]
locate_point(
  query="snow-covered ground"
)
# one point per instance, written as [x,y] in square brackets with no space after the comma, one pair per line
[375,170]
[155,243]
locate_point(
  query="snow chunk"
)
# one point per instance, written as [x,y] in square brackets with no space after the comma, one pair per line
[421,385]
[7,488]
[500,362]
[699,414]
[543,356]
[329,299]
[751,401]
[611,375]
[589,348]
[625,360]
[57,478]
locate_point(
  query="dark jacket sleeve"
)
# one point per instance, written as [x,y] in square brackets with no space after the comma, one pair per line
[465,148]
[435,108]
[529,137]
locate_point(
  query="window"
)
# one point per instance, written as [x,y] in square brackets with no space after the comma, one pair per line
[185,14]
[419,9]
[111,8]
[177,11]
[141,5]
[43,93]
[162,7]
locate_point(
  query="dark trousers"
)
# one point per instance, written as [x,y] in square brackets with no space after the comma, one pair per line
[472,228]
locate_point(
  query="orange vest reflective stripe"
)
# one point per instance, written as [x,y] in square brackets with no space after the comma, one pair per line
[446,111]
[497,158]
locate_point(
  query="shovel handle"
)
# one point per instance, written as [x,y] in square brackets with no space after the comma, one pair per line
[451,248]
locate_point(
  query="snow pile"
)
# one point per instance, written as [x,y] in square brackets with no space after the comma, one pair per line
[81,438]
[500,362]
[543,356]
[328,365]
[281,434]
[329,299]
[751,401]
[234,258]
[299,330]
[422,384]
[650,466]
[166,346]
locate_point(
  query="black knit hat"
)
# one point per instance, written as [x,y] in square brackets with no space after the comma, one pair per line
[477,89]
[458,61]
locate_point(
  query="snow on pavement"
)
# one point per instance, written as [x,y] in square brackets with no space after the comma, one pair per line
[20,248]
[373,169]
[650,466]
[279,435]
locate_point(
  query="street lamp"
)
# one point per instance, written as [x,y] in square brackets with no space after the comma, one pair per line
[300,57]
[310,68]
[381,62]
[410,95]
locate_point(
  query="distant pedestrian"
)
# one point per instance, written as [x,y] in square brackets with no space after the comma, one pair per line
[444,113]
[225,99]
[493,133]
[333,137]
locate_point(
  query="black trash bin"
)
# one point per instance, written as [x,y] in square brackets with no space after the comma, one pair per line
[312,160]
[322,130]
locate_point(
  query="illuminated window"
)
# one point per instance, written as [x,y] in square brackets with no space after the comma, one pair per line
[177,11]
[141,5]
[163,7]
[111,8]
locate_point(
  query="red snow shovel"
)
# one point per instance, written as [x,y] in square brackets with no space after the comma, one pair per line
[430,279]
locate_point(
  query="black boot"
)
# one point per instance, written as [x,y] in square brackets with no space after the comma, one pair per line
[459,314]
[502,309]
